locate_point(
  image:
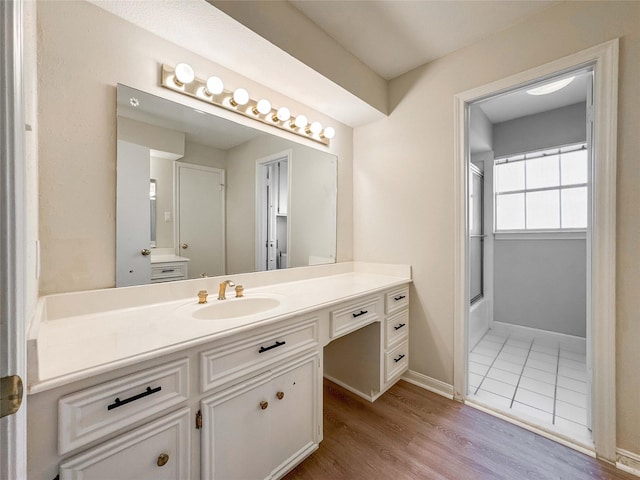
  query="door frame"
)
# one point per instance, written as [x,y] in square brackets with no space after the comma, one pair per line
[603,59]
[13,258]
[260,256]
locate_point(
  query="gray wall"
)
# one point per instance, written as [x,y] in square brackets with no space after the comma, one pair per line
[557,127]
[541,284]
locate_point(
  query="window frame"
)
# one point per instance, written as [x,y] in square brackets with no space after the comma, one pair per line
[533,154]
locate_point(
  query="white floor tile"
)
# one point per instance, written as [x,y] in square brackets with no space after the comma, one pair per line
[503,376]
[519,342]
[571,373]
[544,349]
[478,368]
[492,399]
[497,387]
[578,357]
[569,396]
[534,399]
[540,365]
[491,337]
[474,380]
[566,362]
[508,366]
[572,429]
[515,351]
[488,344]
[546,342]
[515,359]
[571,384]
[544,357]
[481,359]
[571,412]
[484,350]
[537,386]
[575,348]
[539,375]
[533,413]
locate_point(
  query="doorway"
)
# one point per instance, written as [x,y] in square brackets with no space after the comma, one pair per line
[600,306]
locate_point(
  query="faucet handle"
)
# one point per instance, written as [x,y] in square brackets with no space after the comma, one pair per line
[202,296]
[239,291]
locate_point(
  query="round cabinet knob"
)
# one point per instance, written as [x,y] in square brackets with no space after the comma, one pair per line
[264,405]
[185,246]
[145,252]
[163,458]
[280,395]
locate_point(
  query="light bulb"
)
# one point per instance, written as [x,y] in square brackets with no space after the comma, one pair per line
[214,86]
[240,97]
[262,107]
[300,121]
[551,87]
[282,115]
[329,133]
[315,128]
[184,74]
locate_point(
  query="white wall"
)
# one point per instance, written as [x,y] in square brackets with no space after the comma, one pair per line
[404,179]
[562,126]
[83,53]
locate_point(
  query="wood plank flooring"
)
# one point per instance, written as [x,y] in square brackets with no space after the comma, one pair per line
[410,433]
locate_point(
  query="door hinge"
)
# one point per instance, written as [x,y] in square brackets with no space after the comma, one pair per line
[199,420]
[10,395]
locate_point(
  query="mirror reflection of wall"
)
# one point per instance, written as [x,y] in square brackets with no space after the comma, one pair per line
[174,134]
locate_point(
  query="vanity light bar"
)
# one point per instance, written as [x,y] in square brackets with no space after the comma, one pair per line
[182,79]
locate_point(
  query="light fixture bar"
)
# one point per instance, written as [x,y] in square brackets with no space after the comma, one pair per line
[234,100]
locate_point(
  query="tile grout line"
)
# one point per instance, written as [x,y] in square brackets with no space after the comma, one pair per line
[555,389]
[490,366]
[513,399]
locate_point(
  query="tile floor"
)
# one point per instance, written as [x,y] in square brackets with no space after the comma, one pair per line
[540,378]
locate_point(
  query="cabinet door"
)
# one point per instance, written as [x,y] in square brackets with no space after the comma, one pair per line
[159,450]
[235,432]
[294,420]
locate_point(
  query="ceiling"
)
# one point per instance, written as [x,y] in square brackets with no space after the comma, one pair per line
[392,37]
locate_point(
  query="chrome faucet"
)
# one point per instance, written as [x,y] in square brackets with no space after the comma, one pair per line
[223,288]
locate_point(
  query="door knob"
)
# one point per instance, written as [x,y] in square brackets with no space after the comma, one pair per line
[280,395]
[163,458]
[264,405]
[185,246]
[145,252]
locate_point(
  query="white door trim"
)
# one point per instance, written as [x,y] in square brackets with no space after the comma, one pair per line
[13,444]
[604,61]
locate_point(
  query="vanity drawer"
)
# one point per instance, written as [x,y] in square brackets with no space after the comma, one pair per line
[159,450]
[236,359]
[397,299]
[396,361]
[354,316]
[91,414]
[170,271]
[396,328]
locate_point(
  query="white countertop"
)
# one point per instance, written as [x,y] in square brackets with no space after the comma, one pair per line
[65,346]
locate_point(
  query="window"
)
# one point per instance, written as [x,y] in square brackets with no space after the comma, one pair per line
[544,190]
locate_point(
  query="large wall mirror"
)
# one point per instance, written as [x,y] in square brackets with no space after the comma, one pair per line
[199,195]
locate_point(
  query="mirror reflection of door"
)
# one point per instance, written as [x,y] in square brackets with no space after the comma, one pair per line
[476,234]
[133,237]
[272,212]
[200,218]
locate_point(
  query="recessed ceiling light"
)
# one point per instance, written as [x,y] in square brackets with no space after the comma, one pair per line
[551,87]
[134,102]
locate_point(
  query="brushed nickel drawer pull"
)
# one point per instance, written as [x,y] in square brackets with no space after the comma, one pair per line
[118,403]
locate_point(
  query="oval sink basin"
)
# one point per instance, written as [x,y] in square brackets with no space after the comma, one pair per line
[232,308]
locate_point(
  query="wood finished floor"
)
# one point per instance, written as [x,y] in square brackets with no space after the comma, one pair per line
[410,433]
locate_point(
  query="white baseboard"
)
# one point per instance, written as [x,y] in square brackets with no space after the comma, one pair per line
[371,398]
[428,383]
[628,461]
[509,328]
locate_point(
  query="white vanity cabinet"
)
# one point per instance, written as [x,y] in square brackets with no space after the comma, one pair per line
[263,427]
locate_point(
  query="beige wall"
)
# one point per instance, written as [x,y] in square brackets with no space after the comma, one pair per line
[83,52]
[403,179]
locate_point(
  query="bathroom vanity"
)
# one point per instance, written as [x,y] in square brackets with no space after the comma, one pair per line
[144,382]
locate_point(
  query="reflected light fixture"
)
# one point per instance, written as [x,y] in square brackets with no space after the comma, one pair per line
[300,121]
[184,74]
[214,86]
[263,107]
[182,79]
[551,87]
